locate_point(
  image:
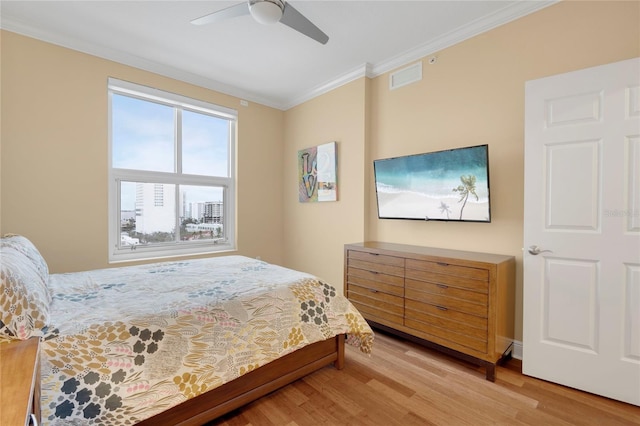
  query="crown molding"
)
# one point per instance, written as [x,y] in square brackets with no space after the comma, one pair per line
[507,14]
[356,73]
[503,16]
[134,61]
[479,26]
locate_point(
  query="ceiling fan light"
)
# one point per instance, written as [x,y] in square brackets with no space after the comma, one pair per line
[266,12]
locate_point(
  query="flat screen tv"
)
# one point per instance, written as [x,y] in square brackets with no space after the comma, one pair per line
[451,185]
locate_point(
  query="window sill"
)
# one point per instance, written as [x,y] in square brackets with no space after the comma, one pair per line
[124,256]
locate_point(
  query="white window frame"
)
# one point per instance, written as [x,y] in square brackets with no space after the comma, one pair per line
[118,253]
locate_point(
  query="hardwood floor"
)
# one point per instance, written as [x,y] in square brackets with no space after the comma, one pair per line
[402,383]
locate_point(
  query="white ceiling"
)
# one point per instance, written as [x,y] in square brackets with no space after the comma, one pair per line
[269,64]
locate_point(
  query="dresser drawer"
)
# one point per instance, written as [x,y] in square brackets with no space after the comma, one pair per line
[377,304]
[375,258]
[453,326]
[449,280]
[413,307]
[445,334]
[378,316]
[382,268]
[374,284]
[446,302]
[446,290]
[448,269]
[375,280]
[394,304]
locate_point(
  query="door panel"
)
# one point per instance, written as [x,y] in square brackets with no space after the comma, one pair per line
[632,314]
[573,195]
[580,108]
[582,230]
[570,291]
[632,180]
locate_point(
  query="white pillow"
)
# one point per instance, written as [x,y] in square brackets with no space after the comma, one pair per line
[24,296]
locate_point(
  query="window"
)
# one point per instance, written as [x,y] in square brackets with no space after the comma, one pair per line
[172,177]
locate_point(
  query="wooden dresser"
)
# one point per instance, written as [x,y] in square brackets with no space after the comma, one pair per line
[20,382]
[459,302]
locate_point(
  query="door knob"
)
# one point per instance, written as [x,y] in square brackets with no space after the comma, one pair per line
[535,250]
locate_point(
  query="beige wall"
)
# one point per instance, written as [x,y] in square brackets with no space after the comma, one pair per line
[54,154]
[315,233]
[473,94]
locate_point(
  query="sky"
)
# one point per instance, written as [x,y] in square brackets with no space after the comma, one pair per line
[143,139]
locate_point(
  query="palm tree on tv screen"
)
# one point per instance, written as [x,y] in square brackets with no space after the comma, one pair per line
[444,208]
[468,187]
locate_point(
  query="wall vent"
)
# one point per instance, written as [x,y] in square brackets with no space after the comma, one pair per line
[405,76]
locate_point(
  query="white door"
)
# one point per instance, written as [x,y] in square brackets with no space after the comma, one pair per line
[581,324]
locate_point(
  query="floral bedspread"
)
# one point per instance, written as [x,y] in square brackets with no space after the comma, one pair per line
[127,343]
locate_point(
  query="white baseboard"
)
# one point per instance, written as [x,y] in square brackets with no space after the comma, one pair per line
[517,350]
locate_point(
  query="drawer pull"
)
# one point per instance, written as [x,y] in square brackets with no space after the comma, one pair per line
[373,290]
[442,308]
[443,264]
[442,286]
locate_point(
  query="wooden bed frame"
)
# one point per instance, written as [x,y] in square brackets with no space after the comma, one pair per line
[251,386]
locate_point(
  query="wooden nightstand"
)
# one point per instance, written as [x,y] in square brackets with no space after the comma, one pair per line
[20,382]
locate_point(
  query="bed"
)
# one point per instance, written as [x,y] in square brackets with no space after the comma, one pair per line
[179,342]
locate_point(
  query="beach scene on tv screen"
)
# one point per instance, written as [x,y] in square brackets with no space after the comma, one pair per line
[444,185]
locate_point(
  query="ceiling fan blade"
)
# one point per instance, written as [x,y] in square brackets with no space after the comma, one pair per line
[239,9]
[294,19]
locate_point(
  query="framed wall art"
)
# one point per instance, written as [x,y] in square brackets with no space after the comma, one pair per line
[317,173]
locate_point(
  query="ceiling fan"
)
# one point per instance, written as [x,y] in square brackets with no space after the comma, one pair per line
[268,12]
